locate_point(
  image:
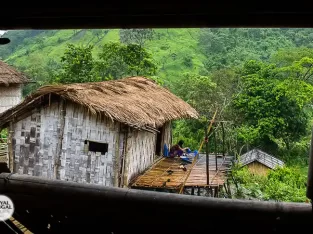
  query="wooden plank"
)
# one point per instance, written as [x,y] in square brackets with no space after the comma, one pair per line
[157,176]
[20,226]
[10,147]
[117,158]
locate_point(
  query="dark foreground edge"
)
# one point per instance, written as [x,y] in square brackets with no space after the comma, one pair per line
[50,206]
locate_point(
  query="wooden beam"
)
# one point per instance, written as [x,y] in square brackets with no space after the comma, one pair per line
[223,138]
[207,160]
[215,149]
[124,173]
[117,159]
[10,147]
[46,197]
[57,160]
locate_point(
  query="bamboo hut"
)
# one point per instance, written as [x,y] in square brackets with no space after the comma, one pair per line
[259,162]
[101,133]
[11,82]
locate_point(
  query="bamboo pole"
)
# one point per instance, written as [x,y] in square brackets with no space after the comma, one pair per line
[10,147]
[207,157]
[215,149]
[195,158]
[223,138]
[57,162]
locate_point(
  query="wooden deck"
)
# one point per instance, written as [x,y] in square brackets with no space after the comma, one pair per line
[157,176]
[198,175]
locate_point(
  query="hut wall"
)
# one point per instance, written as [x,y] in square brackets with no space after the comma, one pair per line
[34,142]
[167,135]
[78,162]
[258,168]
[140,152]
[37,151]
[54,143]
[9,96]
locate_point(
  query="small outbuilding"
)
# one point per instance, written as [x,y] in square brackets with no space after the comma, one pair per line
[259,162]
[11,83]
[101,133]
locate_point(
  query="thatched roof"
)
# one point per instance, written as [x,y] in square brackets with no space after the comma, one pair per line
[8,75]
[135,101]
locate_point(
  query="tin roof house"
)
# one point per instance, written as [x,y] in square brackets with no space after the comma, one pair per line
[259,162]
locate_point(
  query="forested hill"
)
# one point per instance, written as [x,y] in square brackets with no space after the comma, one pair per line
[259,80]
[174,50]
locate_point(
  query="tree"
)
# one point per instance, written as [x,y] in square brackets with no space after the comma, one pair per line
[271,108]
[285,57]
[77,65]
[40,73]
[117,60]
[99,33]
[136,36]
[199,92]
[206,93]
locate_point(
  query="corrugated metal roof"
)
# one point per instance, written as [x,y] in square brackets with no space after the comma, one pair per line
[261,157]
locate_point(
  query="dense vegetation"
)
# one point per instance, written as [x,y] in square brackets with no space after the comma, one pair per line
[259,80]
[283,184]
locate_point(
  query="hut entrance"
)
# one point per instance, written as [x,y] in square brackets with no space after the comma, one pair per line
[159,139]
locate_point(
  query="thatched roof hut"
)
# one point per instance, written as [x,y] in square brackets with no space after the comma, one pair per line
[104,132]
[8,75]
[11,82]
[135,101]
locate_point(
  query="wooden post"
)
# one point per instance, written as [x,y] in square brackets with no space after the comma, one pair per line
[223,139]
[207,157]
[10,147]
[228,188]
[215,149]
[125,161]
[117,158]
[224,185]
[57,160]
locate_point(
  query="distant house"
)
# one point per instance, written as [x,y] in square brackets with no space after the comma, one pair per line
[259,162]
[101,133]
[11,82]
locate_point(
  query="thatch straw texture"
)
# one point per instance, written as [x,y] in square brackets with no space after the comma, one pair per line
[8,75]
[135,101]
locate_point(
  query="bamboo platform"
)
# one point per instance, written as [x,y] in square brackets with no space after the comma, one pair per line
[198,177]
[157,177]
[20,226]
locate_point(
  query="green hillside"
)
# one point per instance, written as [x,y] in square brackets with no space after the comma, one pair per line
[170,48]
[175,50]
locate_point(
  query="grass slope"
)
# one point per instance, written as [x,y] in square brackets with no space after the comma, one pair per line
[174,50]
